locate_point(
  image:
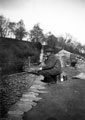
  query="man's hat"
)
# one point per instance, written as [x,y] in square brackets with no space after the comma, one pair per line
[49,50]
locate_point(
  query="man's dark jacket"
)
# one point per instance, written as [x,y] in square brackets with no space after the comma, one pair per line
[53,65]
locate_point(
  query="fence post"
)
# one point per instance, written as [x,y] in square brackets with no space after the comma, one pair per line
[29,61]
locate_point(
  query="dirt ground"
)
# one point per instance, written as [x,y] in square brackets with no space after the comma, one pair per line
[64,101]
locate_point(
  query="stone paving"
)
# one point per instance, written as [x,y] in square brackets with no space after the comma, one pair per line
[28,100]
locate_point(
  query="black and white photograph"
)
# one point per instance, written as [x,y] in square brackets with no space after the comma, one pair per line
[42,59]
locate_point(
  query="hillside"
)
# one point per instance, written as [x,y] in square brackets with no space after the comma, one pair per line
[13,53]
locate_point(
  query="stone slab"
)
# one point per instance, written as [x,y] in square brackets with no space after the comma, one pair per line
[30,98]
[29,94]
[26,99]
[16,112]
[37,87]
[25,107]
[27,103]
[37,82]
[14,117]
[37,91]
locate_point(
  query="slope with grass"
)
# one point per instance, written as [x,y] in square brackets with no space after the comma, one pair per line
[13,53]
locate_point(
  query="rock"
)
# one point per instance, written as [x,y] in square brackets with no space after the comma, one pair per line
[30,98]
[42,92]
[37,82]
[37,99]
[34,104]
[25,99]
[14,118]
[79,76]
[30,93]
[37,87]
[36,94]
[37,91]
[25,107]
[40,78]
[16,112]
[27,103]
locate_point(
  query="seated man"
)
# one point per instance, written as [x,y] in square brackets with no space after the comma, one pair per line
[52,67]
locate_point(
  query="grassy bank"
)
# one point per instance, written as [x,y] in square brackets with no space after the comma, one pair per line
[13,54]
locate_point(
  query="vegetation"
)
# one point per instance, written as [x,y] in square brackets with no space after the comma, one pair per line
[14,52]
[3,26]
[19,30]
[12,29]
[36,34]
[65,43]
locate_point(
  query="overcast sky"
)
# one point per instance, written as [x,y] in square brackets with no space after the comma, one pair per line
[57,16]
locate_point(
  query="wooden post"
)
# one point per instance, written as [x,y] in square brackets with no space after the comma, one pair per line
[29,61]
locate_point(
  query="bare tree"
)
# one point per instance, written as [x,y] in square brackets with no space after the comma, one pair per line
[3,26]
[12,28]
[20,31]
